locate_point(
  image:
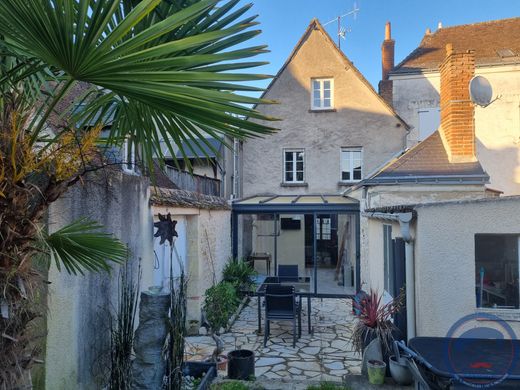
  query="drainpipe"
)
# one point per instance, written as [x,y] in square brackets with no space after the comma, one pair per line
[235,183]
[404,223]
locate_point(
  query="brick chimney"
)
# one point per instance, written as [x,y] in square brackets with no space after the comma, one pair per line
[457,110]
[387,60]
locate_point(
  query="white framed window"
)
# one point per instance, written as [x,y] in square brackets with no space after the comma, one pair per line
[497,259]
[322,94]
[294,165]
[351,164]
[129,160]
[323,228]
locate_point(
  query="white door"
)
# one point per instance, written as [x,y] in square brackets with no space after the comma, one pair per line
[164,256]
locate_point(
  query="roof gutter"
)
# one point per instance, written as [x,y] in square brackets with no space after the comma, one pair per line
[425,179]
[404,220]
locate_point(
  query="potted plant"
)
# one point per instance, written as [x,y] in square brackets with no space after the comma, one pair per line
[220,302]
[376,372]
[374,322]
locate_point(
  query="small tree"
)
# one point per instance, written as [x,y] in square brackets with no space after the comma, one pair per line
[153,72]
[220,302]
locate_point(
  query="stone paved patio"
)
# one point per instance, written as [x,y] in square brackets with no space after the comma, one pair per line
[325,355]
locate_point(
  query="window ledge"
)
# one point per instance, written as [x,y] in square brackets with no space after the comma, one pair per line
[317,110]
[503,314]
[294,184]
[348,183]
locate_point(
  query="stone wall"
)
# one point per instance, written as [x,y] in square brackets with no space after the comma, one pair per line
[208,249]
[79,306]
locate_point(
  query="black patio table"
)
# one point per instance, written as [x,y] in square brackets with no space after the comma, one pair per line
[446,363]
[302,288]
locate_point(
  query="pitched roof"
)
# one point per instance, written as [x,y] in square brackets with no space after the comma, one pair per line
[316,25]
[198,149]
[428,162]
[494,42]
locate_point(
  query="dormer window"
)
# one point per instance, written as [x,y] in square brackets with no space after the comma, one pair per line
[322,94]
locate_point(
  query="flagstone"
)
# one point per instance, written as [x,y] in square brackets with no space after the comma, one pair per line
[327,353]
[334,365]
[268,361]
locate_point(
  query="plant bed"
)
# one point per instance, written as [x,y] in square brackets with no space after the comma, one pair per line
[203,371]
[229,384]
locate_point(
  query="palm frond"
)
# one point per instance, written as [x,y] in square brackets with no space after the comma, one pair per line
[83,246]
[178,62]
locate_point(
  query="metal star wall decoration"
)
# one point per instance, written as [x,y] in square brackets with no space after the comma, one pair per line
[165,229]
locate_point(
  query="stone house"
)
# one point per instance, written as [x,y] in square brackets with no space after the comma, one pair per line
[335,130]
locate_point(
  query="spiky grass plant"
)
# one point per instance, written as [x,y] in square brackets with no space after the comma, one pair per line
[375,320]
[177,326]
[122,329]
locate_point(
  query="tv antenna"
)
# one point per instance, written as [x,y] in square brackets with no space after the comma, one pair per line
[343,31]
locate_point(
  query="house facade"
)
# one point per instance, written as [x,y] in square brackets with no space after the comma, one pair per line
[334,131]
[415,93]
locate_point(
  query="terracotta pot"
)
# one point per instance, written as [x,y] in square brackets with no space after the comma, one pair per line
[222,362]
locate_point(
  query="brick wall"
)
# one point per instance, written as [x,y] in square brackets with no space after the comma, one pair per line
[457,127]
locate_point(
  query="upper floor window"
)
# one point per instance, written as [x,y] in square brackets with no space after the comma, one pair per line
[294,164]
[322,97]
[351,164]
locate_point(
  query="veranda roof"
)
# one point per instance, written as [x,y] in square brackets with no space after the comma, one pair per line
[296,203]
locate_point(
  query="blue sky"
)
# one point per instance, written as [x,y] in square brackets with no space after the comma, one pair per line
[284,21]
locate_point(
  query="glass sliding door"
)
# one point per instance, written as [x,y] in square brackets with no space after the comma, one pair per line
[294,254]
[257,241]
[335,253]
[319,245]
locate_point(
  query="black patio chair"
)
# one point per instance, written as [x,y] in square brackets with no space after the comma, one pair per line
[281,304]
[288,273]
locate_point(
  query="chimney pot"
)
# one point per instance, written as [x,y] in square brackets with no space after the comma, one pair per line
[388,31]
[428,31]
[439,26]
[449,49]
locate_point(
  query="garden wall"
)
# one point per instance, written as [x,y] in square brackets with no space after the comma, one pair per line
[79,306]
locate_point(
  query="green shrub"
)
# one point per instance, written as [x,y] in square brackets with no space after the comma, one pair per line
[328,386]
[239,273]
[220,302]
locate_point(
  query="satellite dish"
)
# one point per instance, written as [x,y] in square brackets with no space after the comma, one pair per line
[480,91]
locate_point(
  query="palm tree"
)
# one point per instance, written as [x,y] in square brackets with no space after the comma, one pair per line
[153,72]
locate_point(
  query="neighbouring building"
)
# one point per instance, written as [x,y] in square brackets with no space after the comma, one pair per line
[413,86]
[335,130]
[433,218]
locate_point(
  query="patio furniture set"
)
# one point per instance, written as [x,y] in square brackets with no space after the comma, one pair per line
[283,300]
